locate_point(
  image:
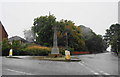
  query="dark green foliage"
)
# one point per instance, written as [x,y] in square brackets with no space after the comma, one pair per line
[16,46]
[36,52]
[71,49]
[46,44]
[94,43]
[112,37]
[5,47]
[62,50]
[43,26]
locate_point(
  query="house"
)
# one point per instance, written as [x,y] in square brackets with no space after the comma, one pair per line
[3,33]
[17,38]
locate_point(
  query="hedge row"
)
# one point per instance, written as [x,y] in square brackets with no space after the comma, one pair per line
[36,51]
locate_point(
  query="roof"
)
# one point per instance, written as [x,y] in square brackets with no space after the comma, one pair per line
[16,38]
[3,28]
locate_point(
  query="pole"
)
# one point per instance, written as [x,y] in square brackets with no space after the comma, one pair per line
[66,40]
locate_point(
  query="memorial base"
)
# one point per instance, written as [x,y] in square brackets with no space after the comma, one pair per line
[55,55]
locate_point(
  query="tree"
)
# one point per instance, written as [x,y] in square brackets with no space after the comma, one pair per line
[112,37]
[43,27]
[16,46]
[5,47]
[94,43]
[29,35]
[73,34]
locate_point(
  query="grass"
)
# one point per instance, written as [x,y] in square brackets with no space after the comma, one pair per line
[73,59]
[56,59]
[48,58]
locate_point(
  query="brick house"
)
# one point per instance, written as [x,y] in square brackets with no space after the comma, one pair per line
[21,40]
[3,33]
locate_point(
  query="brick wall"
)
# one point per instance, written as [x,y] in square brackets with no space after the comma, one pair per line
[3,33]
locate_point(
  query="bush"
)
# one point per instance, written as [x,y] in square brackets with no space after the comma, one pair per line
[46,44]
[62,51]
[5,47]
[71,49]
[37,50]
[16,46]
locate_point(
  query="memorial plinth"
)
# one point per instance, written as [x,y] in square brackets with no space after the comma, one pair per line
[55,49]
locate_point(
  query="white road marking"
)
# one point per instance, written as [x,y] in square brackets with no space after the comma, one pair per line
[94,71]
[90,69]
[19,72]
[103,72]
[106,53]
[83,62]
[106,74]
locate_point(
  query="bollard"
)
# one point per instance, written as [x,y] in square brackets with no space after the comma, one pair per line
[10,52]
[67,55]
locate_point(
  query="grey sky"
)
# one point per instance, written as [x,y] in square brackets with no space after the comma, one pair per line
[18,16]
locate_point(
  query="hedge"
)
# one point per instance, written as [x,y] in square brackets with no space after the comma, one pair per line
[37,50]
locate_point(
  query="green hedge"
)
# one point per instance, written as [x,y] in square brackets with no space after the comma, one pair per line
[5,47]
[36,52]
[62,51]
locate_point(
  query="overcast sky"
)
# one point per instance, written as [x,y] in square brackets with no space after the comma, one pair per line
[17,16]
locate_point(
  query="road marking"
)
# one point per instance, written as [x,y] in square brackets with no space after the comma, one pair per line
[106,74]
[90,69]
[19,72]
[107,53]
[83,62]
[94,71]
[103,72]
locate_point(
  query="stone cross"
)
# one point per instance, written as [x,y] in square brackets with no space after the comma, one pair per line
[55,49]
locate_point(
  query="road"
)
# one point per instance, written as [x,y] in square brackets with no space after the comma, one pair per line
[99,64]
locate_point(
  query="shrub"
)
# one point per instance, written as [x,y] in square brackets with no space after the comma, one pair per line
[62,51]
[79,52]
[5,47]
[46,44]
[37,50]
[71,49]
[16,46]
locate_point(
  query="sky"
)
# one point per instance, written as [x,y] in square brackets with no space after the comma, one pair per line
[18,15]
